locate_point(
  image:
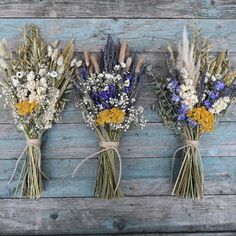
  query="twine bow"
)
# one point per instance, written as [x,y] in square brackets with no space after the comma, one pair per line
[188,143]
[36,143]
[106,146]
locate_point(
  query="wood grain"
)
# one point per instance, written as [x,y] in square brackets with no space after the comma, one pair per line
[143,176]
[81,216]
[119,9]
[67,206]
[145,35]
[79,141]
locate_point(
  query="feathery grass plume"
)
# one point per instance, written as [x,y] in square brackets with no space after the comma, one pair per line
[35,82]
[107,87]
[197,91]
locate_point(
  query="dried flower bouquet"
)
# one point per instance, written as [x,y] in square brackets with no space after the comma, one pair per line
[107,88]
[198,90]
[35,81]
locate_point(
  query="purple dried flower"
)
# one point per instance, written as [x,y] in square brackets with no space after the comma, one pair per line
[172,85]
[182,112]
[84,72]
[219,85]
[207,104]
[175,98]
[192,123]
[213,95]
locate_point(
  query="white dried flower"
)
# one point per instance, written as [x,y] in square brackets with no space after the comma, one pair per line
[31,85]
[127,83]
[60,61]
[220,105]
[15,81]
[50,51]
[116,67]
[42,72]
[100,76]
[55,54]
[79,63]
[33,96]
[3,64]
[31,76]
[53,74]
[73,62]
[213,78]
[43,82]
[41,90]
[4,51]
[123,65]
[218,76]
[61,69]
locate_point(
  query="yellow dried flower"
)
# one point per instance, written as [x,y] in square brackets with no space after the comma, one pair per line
[110,116]
[203,117]
[24,108]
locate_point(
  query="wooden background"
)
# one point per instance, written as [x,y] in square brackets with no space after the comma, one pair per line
[68,205]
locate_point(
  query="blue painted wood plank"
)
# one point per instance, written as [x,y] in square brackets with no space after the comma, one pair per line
[139,177]
[149,35]
[79,141]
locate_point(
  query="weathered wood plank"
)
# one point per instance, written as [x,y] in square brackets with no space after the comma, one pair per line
[139,215]
[79,141]
[144,35]
[119,9]
[145,176]
[183,234]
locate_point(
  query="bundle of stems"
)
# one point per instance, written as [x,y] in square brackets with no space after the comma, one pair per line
[189,182]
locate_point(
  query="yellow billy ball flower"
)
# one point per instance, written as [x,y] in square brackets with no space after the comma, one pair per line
[110,116]
[24,108]
[203,117]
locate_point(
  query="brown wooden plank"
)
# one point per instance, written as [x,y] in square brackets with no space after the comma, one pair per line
[119,9]
[132,215]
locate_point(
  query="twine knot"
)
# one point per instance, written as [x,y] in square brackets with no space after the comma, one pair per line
[29,143]
[111,145]
[34,142]
[105,145]
[188,143]
[192,143]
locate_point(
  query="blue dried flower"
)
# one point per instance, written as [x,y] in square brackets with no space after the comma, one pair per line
[213,95]
[182,112]
[172,85]
[175,98]
[112,90]
[207,104]
[192,123]
[219,85]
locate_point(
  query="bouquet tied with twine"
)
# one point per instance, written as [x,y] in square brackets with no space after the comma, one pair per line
[107,86]
[198,90]
[35,81]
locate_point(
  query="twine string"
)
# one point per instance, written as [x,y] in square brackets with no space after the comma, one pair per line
[105,147]
[36,143]
[188,143]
